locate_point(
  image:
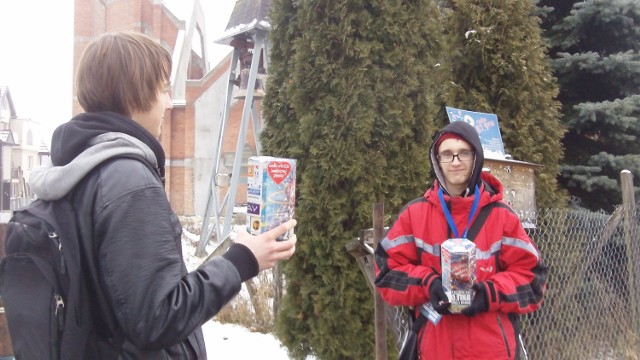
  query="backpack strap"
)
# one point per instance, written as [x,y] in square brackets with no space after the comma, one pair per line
[479,221]
[417,324]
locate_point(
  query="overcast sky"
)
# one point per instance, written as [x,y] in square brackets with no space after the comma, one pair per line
[36,52]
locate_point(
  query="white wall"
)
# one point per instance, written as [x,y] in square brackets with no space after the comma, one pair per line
[209,109]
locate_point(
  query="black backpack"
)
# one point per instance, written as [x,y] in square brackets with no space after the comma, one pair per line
[42,286]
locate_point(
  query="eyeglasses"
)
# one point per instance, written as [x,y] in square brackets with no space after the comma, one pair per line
[465,155]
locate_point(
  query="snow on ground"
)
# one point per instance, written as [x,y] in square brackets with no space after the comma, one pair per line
[231,341]
[235,342]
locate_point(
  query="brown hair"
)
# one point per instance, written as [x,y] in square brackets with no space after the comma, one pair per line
[122,72]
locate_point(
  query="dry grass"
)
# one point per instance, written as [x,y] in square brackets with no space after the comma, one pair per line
[253,307]
[255,312]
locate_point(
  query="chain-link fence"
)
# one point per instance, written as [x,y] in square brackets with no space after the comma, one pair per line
[591,308]
[592,302]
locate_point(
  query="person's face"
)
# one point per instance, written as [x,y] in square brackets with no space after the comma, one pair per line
[152,120]
[457,172]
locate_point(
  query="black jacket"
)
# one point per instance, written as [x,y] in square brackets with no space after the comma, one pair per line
[131,242]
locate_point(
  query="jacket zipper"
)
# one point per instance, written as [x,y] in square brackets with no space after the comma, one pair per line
[504,337]
[57,298]
[59,312]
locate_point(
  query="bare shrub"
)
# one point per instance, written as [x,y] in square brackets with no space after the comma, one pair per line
[253,307]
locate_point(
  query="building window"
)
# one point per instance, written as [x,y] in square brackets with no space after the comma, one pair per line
[30,162]
[29,138]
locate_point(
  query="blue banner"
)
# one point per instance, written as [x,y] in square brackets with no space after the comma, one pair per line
[487,127]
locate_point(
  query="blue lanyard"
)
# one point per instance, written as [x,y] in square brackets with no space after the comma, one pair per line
[447,213]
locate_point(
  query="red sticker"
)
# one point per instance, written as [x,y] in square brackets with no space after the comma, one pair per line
[278,170]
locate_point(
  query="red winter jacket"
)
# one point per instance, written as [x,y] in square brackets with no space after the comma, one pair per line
[507,262]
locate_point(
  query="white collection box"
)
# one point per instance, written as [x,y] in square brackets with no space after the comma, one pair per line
[458,258]
[271,193]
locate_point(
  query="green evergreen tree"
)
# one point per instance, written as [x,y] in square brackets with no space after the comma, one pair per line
[350,96]
[595,49]
[280,133]
[499,65]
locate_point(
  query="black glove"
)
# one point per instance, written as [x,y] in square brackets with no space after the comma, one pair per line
[438,298]
[480,303]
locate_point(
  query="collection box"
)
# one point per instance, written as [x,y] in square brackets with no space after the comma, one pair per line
[271,193]
[458,258]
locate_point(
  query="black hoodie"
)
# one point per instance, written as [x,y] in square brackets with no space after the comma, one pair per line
[469,134]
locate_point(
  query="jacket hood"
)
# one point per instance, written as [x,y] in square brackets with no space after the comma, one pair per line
[73,137]
[469,134]
[84,142]
[50,182]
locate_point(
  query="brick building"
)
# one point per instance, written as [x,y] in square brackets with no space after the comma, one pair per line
[191,128]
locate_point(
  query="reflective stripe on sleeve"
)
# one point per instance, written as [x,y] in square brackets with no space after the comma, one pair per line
[521,244]
[387,243]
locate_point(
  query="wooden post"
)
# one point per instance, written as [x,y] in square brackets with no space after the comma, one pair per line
[380,311]
[277,290]
[364,256]
[5,339]
[632,243]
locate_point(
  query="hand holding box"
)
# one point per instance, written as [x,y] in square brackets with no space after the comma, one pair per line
[458,260]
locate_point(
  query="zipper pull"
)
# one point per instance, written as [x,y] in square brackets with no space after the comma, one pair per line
[53,236]
[59,312]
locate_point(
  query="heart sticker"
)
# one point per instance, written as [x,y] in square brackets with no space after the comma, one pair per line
[278,170]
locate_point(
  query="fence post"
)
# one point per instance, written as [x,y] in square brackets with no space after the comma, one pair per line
[277,290]
[632,243]
[380,311]
[5,340]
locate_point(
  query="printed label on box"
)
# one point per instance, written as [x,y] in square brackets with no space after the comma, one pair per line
[271,193]
[458,272]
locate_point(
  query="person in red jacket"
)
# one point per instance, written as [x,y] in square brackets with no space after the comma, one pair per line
[510,274]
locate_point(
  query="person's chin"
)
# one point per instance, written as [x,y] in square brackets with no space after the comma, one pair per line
[459,178]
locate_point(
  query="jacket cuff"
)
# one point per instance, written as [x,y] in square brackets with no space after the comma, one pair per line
[428,280]
[244,261]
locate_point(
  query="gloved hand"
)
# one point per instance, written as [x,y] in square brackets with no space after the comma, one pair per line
[480,303]
[438,298]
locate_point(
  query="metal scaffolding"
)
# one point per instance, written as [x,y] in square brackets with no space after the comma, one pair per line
[250,56]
